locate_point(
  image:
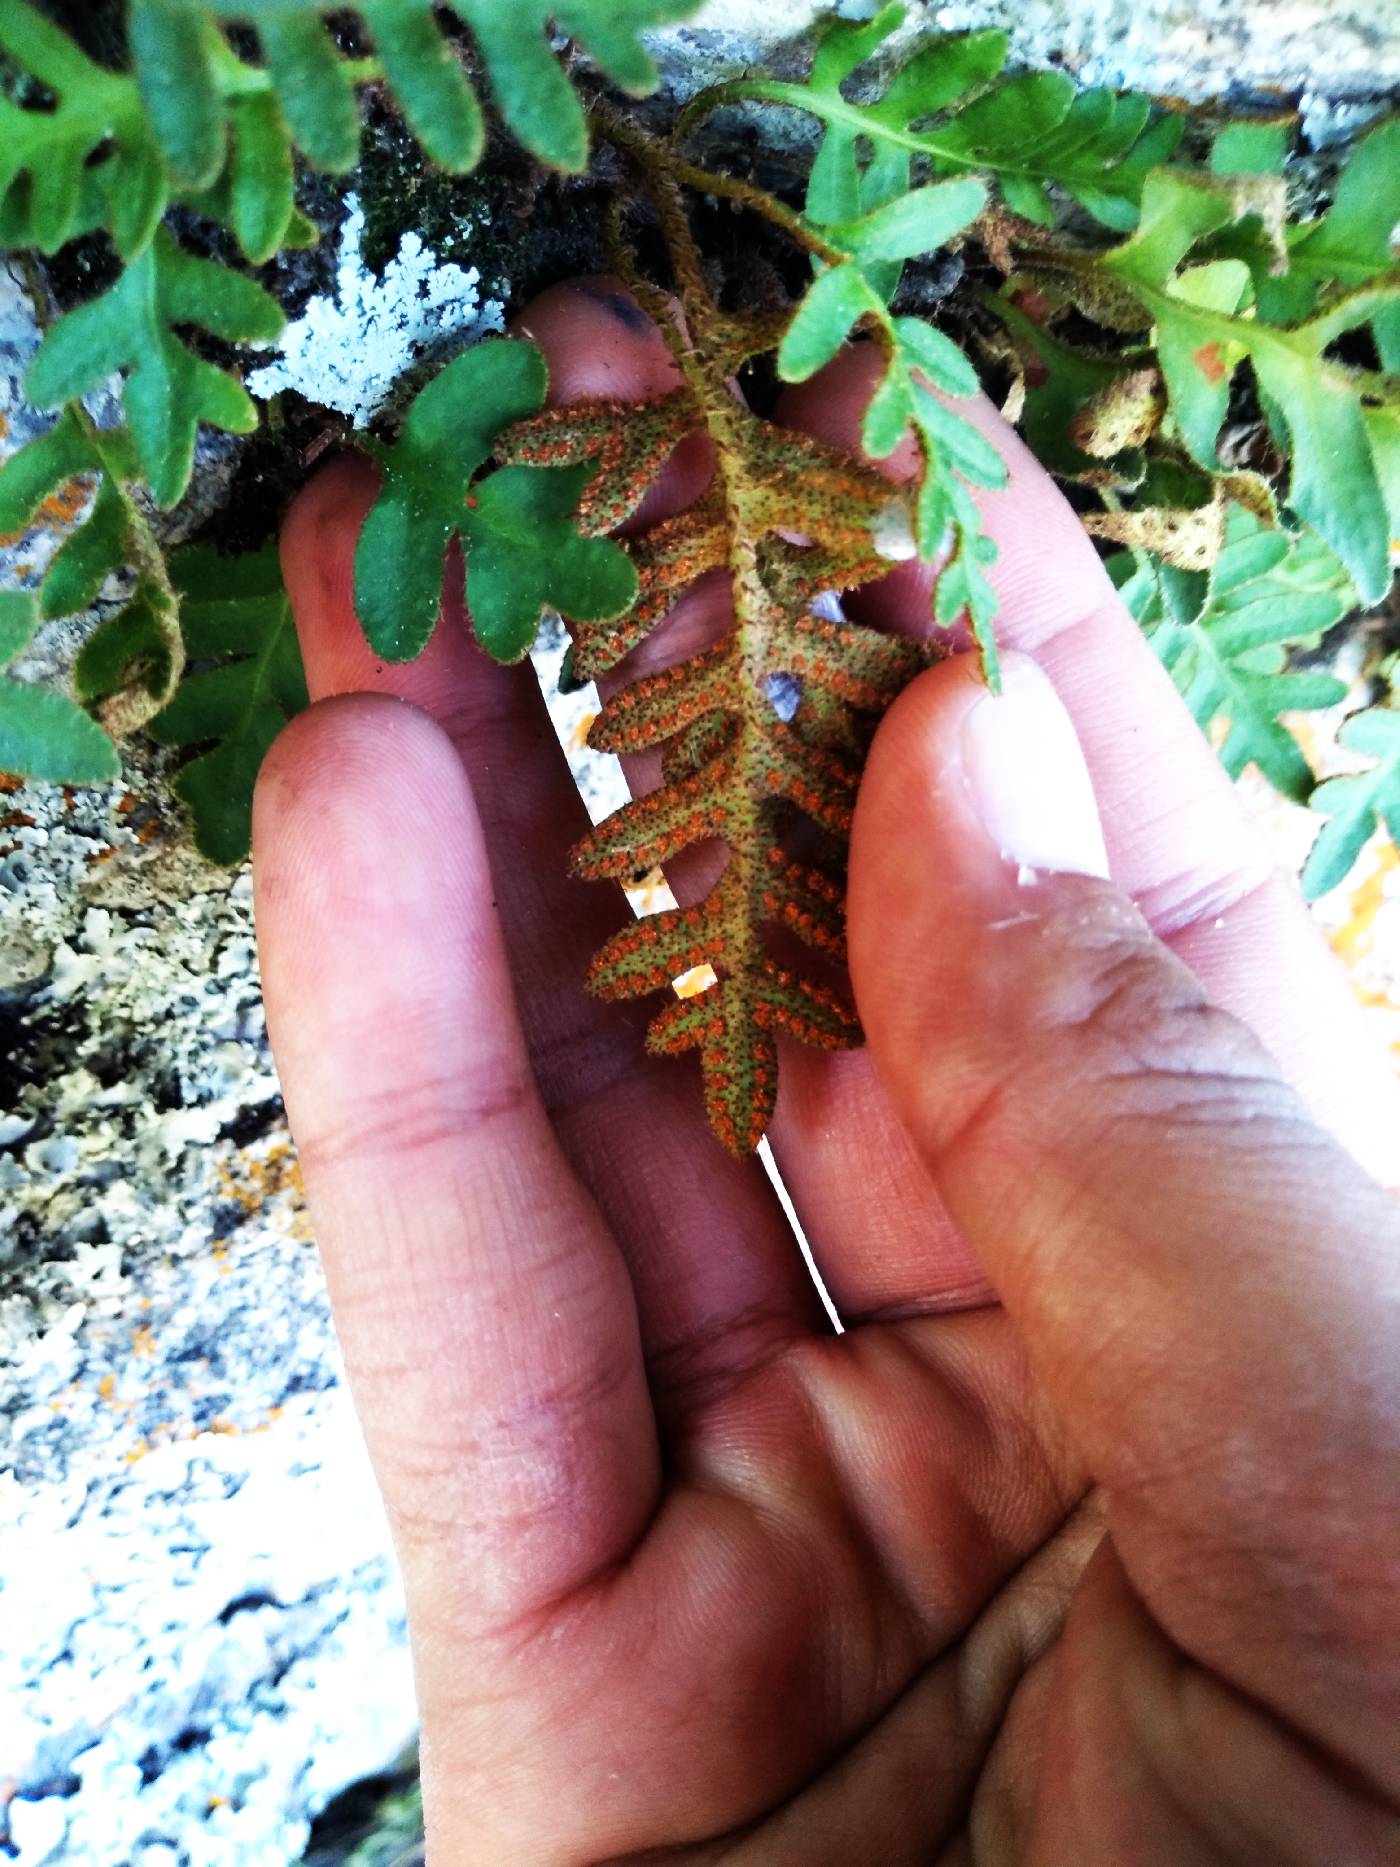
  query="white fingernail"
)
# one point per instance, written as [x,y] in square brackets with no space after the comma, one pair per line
[1027,777]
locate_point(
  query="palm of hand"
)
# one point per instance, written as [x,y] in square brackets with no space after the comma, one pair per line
[866,1547]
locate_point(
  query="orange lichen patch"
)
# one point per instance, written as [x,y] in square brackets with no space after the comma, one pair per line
[107,1387]
[58,511]
[698,979]
[143,1343]
[10,781]
[254,1179]
[16,819]
[578,738]
[1354,941]
[138,1451]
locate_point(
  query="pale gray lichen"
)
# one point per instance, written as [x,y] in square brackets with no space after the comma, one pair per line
[350,349]
[212,1626]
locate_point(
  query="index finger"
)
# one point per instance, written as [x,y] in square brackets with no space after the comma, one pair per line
[1179,837]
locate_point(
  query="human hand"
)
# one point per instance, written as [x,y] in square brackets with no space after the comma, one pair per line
[1101,1572]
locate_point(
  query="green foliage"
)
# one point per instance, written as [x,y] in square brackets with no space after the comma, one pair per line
[522,552]
[43,735]
[83,147]
[246,682]
[1027,132]
[1206,330]
[1205,327]
[192,81]
[85,158]
[1223,636]
[131,661]
[954,453]
[1356,806]
[72,450]
[167,390]
[1347,246]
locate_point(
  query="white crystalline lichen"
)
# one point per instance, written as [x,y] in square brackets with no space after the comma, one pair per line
[347,351]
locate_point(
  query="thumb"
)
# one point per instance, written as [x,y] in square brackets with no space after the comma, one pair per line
[1205,1281]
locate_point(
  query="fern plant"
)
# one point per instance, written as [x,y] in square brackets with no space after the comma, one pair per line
[194,125]
[1215,379]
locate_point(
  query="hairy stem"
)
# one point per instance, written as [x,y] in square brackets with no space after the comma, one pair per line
[652,155]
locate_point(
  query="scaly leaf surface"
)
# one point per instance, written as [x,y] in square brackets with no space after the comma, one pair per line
[764,728]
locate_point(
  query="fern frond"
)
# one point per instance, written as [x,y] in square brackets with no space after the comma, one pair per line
[167,390]
[1028,131]
[1356,806]
[77,152]
[1334,424]
[625,447]
[766,727]
[516,527]
[194,85]
[1347,246]
[246,683]
[44,735]
[954,453]
[1223,639]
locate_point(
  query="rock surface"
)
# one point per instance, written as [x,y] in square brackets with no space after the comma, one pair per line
[203,1631]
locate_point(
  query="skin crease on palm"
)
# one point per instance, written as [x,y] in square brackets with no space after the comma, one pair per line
[1079,1546]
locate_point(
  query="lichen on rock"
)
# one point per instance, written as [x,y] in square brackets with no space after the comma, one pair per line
[352,349]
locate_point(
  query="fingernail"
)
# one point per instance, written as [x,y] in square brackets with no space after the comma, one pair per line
[1027,776]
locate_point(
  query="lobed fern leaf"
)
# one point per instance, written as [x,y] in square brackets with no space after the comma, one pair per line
[520,546]
[72,453]
[1223,638]
[954,453]
[246,683]
[167,390]
[43,734]
[75,147]
[191,80]
[1349,245]
[1356,806]
[1205,327]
